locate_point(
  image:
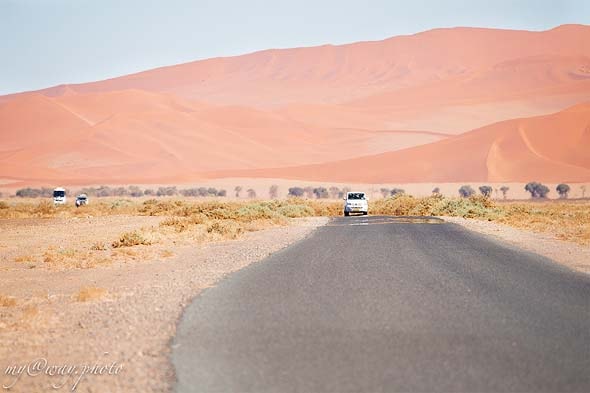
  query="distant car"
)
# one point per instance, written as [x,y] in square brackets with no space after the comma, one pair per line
[356,202]
[59,196]
[81,199]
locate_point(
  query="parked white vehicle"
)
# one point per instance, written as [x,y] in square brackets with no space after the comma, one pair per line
[356,202]
[59,196]
[81,199]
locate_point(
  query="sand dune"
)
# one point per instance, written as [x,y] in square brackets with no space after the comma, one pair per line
[302,106]
[138,136]
[549,148]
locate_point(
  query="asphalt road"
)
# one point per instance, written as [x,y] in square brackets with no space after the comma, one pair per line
[377,304]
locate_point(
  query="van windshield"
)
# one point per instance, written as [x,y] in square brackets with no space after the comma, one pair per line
[59,194]
[356,195]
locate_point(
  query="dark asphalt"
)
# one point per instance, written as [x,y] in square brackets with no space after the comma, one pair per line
[390,305]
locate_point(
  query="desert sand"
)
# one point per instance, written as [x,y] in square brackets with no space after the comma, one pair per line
[553,148]
[290,108]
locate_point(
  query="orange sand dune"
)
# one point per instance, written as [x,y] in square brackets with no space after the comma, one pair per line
[302,106]
[550,148]
[138,136]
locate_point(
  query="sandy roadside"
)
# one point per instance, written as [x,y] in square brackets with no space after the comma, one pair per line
[570,254]
[128,321]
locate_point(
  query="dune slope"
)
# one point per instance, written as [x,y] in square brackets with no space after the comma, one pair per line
[550,148]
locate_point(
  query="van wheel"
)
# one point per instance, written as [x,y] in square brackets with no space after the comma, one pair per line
[346,214]
[365,213]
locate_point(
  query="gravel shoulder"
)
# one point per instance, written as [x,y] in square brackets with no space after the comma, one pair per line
[129,314]
[570,254]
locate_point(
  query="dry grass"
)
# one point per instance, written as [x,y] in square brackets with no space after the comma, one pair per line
[25,258]
[565,220]
[98,246]
[130,239]
[205,220]
[32,208]
[72,258]
[90,293]
[7,301]
[166,254]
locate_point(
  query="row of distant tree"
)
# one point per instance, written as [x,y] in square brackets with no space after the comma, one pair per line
[537,190]
[130,191]
[318,192]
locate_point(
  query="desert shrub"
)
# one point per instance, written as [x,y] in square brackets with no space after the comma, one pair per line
[222,193]
[3,205]
[130,239]
[251,193]
[294,211]
[256,211]
[385,192]
[399,205]
[472,207]
[98,246]
[45,208]
[228,229]
[436,190]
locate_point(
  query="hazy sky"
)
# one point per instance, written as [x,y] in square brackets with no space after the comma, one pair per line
[49,42]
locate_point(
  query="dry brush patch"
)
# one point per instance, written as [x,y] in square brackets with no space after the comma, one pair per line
[7,301]
[90,293]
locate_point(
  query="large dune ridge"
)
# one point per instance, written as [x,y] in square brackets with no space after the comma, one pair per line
[323,106]
[552,148]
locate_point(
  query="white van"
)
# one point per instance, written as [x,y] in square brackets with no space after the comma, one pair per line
[59,196]
[356,202]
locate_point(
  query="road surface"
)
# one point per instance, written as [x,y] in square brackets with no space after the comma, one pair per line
[378,304]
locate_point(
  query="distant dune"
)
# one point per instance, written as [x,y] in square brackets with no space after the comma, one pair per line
[395,105]
[552,148]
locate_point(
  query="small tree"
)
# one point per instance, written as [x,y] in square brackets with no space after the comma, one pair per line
[466,191]
[583,189]
[237,190]
[385,192]
[273,191]
[396,191]
[334,192]
[563,190]
[504,190]
[308,192]
[221,193]
[320,192]
[486,191]
[435,191]
[296,192]
[251,193]
[134,191]
[537,190]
